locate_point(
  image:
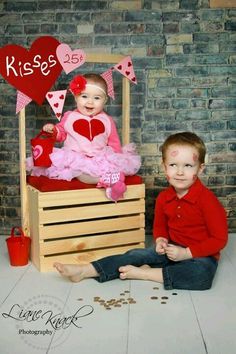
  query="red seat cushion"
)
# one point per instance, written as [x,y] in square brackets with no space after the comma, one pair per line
[45,184]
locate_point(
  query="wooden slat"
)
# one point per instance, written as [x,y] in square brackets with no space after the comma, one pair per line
[104,58]
[34,230]
[92,242]
[46,263]
[23,185]
[83,196]
[87,227]
[91,212]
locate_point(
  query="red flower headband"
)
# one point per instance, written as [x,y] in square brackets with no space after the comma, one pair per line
[77,85]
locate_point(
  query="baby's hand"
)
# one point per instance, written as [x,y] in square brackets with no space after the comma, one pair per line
[161,244]
[177,253]
[49,128]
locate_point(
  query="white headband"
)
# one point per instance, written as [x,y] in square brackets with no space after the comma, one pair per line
[98,87]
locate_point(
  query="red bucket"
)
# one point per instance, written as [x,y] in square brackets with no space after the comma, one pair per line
[42,146]
[18,247]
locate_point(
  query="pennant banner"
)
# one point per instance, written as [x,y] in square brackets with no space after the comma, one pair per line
[107,76]
[125,67]
[57,56]
[56,100]
[21,101]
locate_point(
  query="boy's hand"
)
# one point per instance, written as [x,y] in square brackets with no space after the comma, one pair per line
[177,253]
[161,244]
[49,128]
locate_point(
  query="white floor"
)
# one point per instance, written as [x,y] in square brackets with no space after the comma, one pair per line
[44,313]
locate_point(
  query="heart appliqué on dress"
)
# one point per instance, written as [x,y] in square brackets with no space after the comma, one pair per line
[88,129]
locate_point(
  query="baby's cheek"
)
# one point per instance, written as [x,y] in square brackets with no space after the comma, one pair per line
[194,177]
[168,178]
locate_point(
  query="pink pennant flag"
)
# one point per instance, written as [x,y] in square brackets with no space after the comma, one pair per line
[107,76]
[125,67]
[56,100]
[21,101]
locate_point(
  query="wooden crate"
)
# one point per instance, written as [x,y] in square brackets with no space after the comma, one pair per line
[79,226]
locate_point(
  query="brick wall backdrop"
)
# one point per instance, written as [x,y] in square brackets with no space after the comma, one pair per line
[184,53]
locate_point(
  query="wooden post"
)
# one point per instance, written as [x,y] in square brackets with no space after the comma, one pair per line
[125,111]
[23,185]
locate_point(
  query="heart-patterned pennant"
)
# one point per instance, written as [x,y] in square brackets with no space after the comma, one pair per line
[32,71]
[125,67]
[70,59]
[56,100]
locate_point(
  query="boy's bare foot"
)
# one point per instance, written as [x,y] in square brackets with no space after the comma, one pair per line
[76,272]
[132,272]
[141,273]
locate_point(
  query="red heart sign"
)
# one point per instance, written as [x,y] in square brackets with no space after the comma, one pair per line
[33,71]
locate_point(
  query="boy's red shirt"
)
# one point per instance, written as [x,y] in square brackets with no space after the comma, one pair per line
[197,220]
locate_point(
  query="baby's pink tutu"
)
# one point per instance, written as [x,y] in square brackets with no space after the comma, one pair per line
[67,164]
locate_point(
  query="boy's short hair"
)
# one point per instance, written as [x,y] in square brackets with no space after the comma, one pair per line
[97,79]
[185,138]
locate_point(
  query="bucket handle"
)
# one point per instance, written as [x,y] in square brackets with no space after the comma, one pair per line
[42,133]
[22,235]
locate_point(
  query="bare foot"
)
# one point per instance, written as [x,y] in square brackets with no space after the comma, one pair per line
[88,179]
[132,272]
[141,273]
[76,272]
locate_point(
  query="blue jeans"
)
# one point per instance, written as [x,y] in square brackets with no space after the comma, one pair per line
[191,274]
